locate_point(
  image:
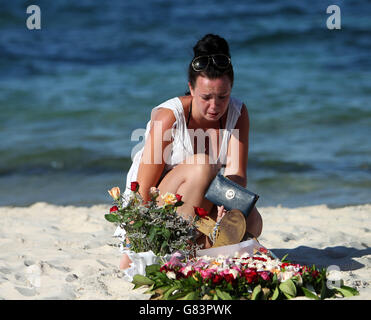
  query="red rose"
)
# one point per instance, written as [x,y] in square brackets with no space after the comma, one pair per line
[200,212]
[190,273]
[178,197]
[113,209]
[229,277]
[251,275]
[217,278]
[259,258]
[315,274]
[263,250]
[134,186]
[164,268]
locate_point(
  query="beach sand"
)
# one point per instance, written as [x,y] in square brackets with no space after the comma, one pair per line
[67,252]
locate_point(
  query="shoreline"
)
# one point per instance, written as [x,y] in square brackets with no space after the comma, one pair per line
[67,252]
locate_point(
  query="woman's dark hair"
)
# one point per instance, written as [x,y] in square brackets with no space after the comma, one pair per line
[210,44]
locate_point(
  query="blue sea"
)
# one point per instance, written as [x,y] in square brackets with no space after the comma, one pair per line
[72,93]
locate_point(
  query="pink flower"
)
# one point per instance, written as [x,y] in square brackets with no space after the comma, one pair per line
[200,263]
[206,273]
[175,260]
[265,275]
[236,268]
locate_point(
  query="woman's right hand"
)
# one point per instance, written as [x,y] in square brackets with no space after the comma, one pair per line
[221,213]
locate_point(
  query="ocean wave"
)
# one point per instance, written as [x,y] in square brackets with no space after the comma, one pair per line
[280,165]
[67,160]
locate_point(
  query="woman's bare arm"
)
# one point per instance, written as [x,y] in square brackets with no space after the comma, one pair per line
[238,149]
[152,162]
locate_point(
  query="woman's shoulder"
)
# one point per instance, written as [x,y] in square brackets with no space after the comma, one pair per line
[242,120]
[163,114]
[172,104]
[240,115]
[169,111]
[178,105]
[237,105]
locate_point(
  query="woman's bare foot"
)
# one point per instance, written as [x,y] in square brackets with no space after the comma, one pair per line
[125,261]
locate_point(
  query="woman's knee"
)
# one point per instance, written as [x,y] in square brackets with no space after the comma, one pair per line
[201,166]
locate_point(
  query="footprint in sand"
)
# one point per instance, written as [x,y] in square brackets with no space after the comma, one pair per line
[71,277]
[27,292]
[5,270]
[28,263]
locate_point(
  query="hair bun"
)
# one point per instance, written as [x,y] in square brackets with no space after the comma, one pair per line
[211,44]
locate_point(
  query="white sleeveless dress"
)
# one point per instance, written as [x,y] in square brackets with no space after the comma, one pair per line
[182,147]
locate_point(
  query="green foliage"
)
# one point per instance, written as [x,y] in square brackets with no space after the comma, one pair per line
[152,227]
[223,294]
[310,283]
[309,294]
[140,280]
[347,291]
[276,294]
[112,218]
[288,288]
[256,292]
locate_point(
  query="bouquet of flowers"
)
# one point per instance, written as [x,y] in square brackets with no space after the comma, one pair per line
[149,226]
[247,277]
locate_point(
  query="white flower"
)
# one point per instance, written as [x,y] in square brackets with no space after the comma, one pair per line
[186,269]
[286,275]
[259,266]
[234,273]
[270,266]
[171,275]
[154,192]
[245,255]
[169,198]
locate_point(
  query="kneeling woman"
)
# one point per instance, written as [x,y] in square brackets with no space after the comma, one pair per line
[195,135]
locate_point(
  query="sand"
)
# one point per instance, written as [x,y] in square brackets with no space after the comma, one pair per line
[67,252]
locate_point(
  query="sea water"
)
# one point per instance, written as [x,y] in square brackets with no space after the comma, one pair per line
[72,93]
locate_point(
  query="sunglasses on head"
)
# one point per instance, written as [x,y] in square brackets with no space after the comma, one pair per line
[221,61]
